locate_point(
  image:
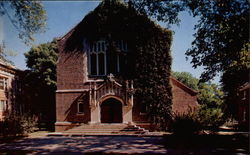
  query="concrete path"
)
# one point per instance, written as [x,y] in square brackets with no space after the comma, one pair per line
[125,145]
[89,144]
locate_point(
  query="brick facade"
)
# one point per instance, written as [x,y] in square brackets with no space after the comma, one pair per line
[75,84]
[242,105]
[84,85]
[10,89]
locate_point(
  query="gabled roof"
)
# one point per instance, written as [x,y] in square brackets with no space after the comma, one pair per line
[7,64]
[183,86]
[109,18]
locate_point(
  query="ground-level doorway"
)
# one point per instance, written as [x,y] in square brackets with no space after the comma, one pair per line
[111,111]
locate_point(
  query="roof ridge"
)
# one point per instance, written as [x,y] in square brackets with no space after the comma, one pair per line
[182,84]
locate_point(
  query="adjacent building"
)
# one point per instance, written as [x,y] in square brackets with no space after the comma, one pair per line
[10,89]
[242,105]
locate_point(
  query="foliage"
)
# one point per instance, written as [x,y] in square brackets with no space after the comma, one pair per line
[212,106]
[40,80]
[187,79]
[222,31]
[195,120]
[28,17]
[148,56]
[210,97]
[210,118]
[237,74]
[186,123]
[41,60]
[17,125]
[3,55]
[165,11]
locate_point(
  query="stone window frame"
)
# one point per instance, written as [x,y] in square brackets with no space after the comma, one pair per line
[100,47]
[78,108]
[3,105]
[3,83]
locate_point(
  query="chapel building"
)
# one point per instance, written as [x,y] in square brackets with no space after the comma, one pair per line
[89,90]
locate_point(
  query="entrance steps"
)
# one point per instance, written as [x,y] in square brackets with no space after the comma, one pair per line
[106,129]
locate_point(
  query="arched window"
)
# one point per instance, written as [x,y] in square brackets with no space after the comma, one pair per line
[80,107]
[102,62]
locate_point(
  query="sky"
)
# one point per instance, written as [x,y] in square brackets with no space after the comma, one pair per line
[63,15]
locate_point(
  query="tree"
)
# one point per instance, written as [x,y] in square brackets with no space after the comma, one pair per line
[28,17]
[237,74]
[40,81]
[187,79]
[210,98]
[4,53]
[165,11]
[222,31]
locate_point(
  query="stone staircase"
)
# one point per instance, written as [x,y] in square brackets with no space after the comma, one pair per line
[106,129]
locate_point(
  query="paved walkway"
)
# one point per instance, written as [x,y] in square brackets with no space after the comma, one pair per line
[114,145]
[89,144]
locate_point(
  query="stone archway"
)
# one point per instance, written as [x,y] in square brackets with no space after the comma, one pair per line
[111,111]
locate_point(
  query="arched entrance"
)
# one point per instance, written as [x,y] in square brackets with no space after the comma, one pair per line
[111,111]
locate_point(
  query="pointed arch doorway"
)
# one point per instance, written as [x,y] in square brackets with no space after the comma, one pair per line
[111,111]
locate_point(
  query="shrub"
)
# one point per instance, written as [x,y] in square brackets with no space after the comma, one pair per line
[17,125]
[186,123]
[210,118]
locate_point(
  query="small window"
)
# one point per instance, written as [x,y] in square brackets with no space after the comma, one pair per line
[143,109]
[2,105]
[3,83]
[80,108]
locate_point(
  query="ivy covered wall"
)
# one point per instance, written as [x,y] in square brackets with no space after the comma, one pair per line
[148,60]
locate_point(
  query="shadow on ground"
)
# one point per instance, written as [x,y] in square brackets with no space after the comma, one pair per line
[169,144]
[208,144]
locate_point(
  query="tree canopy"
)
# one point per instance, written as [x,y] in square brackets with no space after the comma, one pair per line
[221,32]
[3,54]
[165,11]
[28,17]
[187,78]
[40,81]
[41,60]
[237,74]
